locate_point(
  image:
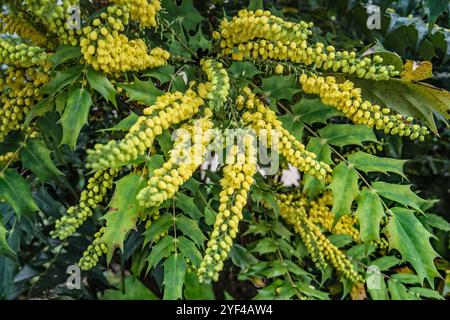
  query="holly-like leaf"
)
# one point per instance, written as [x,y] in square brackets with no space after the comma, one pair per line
[243,69]
[123,212]
[398,291]
[164,74]
[399,193]
[61,80]
[370,163]
[436,8]
[293,125]
[370,212]
[198,41]
[36,157]
[141,91]
[16,191]
[188,206]
[437,222]
[189,250]
[63,54]
[347,134]
[407,235]
[75,115]
[313,186]
[5,249]
[185,13]
[174,273]
[281,87]
[161,250]
[158,227]
[101,84]
[39,109]
[344,187]
[415,99]
[125,124]
[312,111]
[255,5]
[191,229]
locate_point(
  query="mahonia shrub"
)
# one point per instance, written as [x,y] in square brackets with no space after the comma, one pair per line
[138,134]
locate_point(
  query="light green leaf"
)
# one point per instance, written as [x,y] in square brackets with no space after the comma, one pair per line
[194,290]
[347,134]
[141,91]
[60,102]
[5,249]
[75,115]
[16,191]
[370,163]
[198,41]
[313,111]
[344,187]
[266,245]
[370,212]
[380,293]
[313,186]
[386,262]
[36,157]
[61,80]
[101,84]
[243,69]
[174,273]
[64,53]
[426,293]
[161,250]
[281,87]
[255,5]
[241,257]
[189,250]
[123,213]
[398,291]
[191,229]
[407,235]
[437,222]
[399,193]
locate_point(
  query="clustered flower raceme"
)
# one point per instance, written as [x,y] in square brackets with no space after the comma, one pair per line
[93,252]
[143,11]
[169,109]
[17,53]
[217,89]
[7,157]
[107,48]
[20,90]
[347,98]
[265,122]
[17,24]
[91,197]
[186,156]
[55,15]
[237,179]
[259,35]
[319,247]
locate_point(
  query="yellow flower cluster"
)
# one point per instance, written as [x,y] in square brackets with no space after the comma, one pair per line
[13,52]
[93,252]
[186,156]
[237,179]
[20,90]
[169,109]
[91,197]
[319,247]
[256,35]
[346,98]
[16,24]
[142,10]
[7,157]
[259,24]
[265,122]
[217,89]
[319,213]
[106,48]
[55,15]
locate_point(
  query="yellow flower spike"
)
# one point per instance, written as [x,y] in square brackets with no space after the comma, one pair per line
[240,163]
